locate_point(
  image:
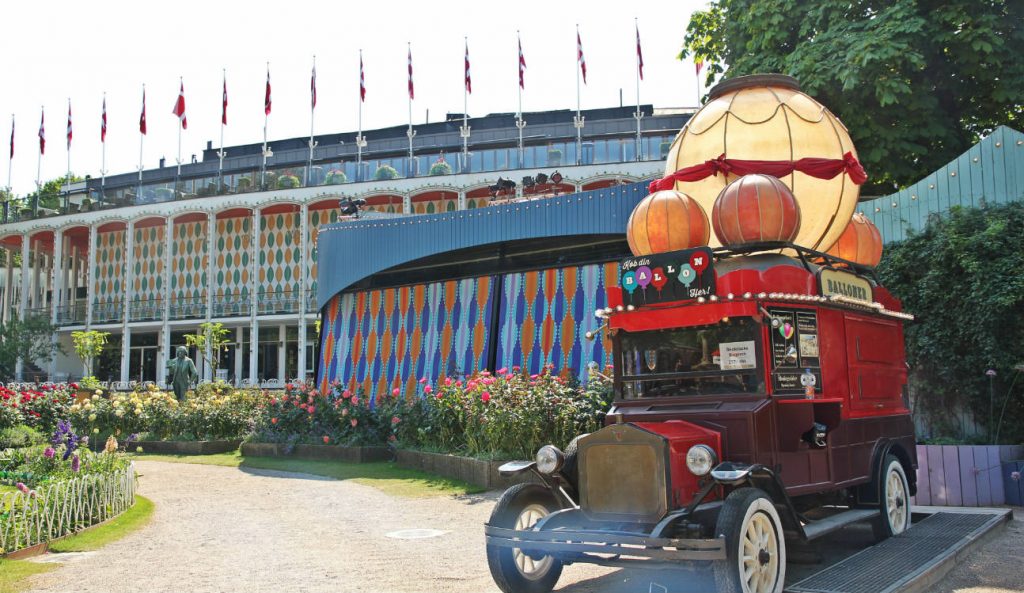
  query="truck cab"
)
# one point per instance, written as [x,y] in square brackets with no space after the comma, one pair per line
[760,400]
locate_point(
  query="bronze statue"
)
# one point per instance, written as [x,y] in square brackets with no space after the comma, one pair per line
[183,373]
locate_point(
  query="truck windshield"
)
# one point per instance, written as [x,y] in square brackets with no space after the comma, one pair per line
[723,358]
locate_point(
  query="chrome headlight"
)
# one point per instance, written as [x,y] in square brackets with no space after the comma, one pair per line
[700,459]
[549,459]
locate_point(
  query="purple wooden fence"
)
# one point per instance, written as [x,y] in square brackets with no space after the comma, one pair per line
[963,475]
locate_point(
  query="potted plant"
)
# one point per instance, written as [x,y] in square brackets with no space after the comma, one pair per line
[164,194]
[243,184]
[88,345]
[440,167]
[385,172]
[336,177]
[554,157]
[288,182]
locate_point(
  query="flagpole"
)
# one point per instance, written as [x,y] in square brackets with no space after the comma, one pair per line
[39,162]
[220,153]
[142,140]
[10,157]
[177,176]
[519,116]
[578,121]
[67,194]
[638,115]
[464,130]
[360,141]
[103,161]
[312,118]
[411,133]
[263,167]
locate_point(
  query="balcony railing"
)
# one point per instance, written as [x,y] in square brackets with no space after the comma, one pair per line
[231,305]
[107,311]
[71,314]
[189,308]
[146,310]
[279,302]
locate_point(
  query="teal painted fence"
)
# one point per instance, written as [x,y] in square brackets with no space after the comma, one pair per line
[991,172]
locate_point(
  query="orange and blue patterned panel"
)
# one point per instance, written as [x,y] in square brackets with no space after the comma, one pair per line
[188,264]
[545,315]
[385,339]
[109,279]
[233,249]
[148,267]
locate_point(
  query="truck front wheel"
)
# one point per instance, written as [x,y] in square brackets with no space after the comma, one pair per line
[513,570]
[755,545]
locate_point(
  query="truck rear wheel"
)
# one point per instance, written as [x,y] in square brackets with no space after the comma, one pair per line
[513,570]
[755,546]
[893,499]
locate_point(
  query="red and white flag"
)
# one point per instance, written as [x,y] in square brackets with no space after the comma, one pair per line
[312,88]
[639,54]
[103,122]
[224,103]
[12,135]
[266,97]
[362,79]
[42,133]
[698,65]
[69,124]
[412,92]
[522,64]
[469,79]
[179,107]
[579,56]
[142,118]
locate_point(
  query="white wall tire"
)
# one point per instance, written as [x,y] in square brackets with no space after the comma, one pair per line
[520,507]
[755,544]
[893,499]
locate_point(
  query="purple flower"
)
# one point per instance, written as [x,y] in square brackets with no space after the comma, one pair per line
[1015,476]
[76,463]
[65,435]
[49,453]
[21,486]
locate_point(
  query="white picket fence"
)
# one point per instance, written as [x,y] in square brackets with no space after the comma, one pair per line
[62,508]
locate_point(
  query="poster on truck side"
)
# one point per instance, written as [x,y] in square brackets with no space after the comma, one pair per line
[667,277]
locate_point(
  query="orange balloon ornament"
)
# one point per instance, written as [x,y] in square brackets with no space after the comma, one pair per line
[667,221]
[860,242]
[755,209]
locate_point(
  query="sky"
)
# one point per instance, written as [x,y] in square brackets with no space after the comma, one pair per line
[58,50]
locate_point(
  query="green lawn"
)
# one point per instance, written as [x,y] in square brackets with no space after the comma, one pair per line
[384,476]
[111,531]
[13,573]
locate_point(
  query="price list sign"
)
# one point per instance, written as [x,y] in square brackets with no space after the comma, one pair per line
[794,347]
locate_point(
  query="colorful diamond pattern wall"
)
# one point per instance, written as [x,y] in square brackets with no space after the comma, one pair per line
[385,339]
[189,261]
[280,256]
[109,283]
[233,252]
[317,218]
[545,315]
[148,268]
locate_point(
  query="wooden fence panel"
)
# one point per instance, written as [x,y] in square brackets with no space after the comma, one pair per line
[968,477]
[993,469]
[980,461]
[924,491]
[951,471]
[936,475]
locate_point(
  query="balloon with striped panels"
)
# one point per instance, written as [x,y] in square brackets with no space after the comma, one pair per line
[667,220]
[755,209]
[860,242]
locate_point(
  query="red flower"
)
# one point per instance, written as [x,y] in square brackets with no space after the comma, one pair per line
[353,422]
[394,392]
[395,420]
[485,397]
[327,439]
[311,409]
[423,380]
[428,389]
[273,420]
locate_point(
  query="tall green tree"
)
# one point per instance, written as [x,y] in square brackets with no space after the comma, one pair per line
[917,82]
[52,192]
[29,339]
[961,277]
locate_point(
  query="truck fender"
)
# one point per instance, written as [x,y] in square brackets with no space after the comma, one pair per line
[867,494]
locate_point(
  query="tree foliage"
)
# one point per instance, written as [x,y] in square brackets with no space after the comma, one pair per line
[214,335]
[30,340]
[961,277]
[89,345]
[917,82]
[52,191]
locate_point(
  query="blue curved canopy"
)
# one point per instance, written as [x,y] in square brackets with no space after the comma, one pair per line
[352,250]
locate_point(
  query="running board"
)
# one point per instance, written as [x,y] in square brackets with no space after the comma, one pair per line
[816,529]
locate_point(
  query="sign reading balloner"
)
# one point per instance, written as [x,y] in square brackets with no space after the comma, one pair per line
[666,277]
[836,282]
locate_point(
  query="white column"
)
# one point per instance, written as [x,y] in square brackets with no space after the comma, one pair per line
[303,287]
[407,203]
[90,270]
[8,286]
[211,243]
[56,290]
[282,352]
[19,366]
[36,277]
[239,355]
[73,297]
[126,277]
[462,200]
[164,354]
[254,326]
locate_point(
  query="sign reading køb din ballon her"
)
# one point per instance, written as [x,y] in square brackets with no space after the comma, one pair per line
[665,277]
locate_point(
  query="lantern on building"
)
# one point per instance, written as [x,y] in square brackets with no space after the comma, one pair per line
[860,242]
[667,221]
[765,124]
[755,209]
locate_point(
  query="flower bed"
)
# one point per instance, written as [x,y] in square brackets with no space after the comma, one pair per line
[39,409]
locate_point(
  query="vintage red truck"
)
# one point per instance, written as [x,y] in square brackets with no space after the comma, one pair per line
[760,402]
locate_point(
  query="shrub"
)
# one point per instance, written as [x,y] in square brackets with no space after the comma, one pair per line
[20,436]
[288,182]
[385,172]
[336,177]
[440,167]
[37,409]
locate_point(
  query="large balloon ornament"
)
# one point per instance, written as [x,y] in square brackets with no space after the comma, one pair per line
[667,221]
[860,242]
[755,209]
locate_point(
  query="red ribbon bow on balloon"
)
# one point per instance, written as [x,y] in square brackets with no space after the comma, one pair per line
[815,167]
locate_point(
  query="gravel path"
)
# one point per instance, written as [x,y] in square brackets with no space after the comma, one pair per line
[229,529]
